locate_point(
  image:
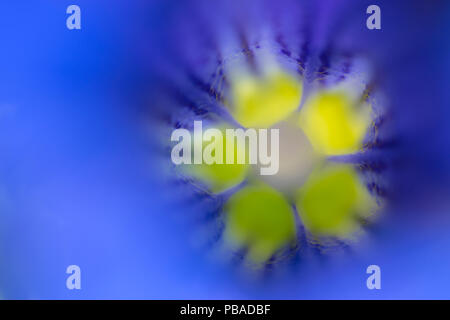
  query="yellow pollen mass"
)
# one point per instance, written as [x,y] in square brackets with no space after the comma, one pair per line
[332,199]
[260,102]
[334,123]
[219,177]
[260,219]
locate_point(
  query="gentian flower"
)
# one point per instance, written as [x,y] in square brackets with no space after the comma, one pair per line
[86,176]
[326,108]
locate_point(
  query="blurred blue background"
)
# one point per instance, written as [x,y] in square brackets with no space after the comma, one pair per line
[79,183]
